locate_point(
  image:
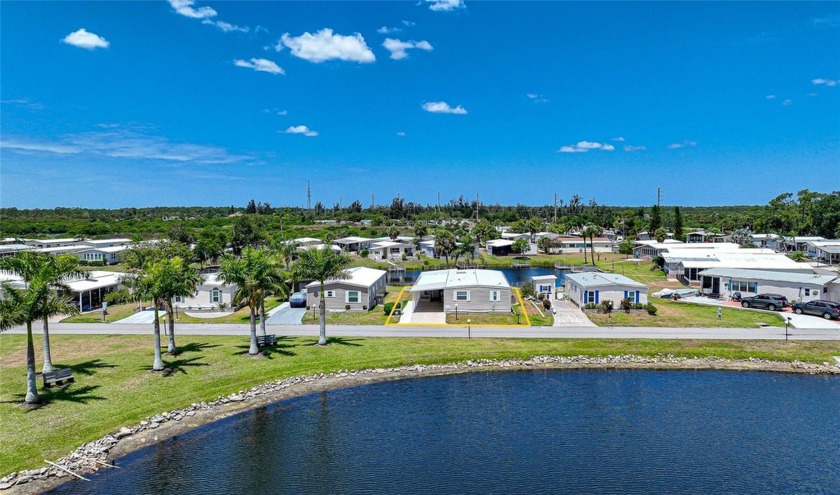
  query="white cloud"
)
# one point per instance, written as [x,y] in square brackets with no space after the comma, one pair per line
[283,112]
[787,102]
[185,8]
[826,22]
[812,94]
[770,97]
[324,45]
[827,82]
[24,102]
[619,139]
[585,146]
[126,144]
[83,39]
[401,133]
[634,148]
[684,144]
[446,5]
[409,23]
[226,26]
[388,30]
[301,129]
[443,107]
[398,48]
[260,65]
[536,98]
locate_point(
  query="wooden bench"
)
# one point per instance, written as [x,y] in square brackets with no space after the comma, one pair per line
[263,340]
[63,376]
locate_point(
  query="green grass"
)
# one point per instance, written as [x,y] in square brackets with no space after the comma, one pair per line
[114,386]
[115,312]
[680,314]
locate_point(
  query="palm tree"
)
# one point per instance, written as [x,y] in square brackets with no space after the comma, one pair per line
[321,265]
[585,233]
[268,274]
[444,244]
[23,306]
[244,273]
[151,285]
[183,280]
[52,271]
[594,231]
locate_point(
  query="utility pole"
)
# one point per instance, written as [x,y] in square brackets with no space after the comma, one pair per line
[555,208]
[658,196]
[372,201]
[308,196]
[438,205]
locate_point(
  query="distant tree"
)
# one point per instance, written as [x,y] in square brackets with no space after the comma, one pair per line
[393,232]
[445,244]
[798,256]
[742,237]
[248,230]
[678,224]
[520,246]
[594,231]
[626,247]
[535,225]
[655,219]
[210,245]
[178,232]
[660,234]
[251,209]
[355,207]
[544,244]
[484,231]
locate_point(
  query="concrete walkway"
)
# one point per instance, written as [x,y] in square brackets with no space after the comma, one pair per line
[569,315]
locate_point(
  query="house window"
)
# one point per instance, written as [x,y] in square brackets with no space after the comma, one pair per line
[591,296]
[807,292]
[630,296]
[495,296]
[215,296]
[544,289]
[462,295]
[353,296]
[743,286]
[329,293]
[179,299]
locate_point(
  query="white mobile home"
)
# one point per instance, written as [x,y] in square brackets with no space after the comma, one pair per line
[470,291]
[795,286]
[211,292]
[545,284]
[353,244]
[596,287]
[387,250]
[358,292]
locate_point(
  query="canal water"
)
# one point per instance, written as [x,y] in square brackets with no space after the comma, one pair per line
[514,276]
[547,431]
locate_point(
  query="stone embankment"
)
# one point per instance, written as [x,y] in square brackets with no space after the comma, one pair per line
[94,456]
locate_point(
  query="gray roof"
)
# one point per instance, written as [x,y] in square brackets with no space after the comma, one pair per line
[770,276]
[598,279]
[452,279]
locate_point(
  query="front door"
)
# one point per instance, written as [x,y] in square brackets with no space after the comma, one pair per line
[715,285]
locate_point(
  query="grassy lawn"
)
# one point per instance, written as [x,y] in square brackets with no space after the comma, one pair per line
[486,318]
[534,315]
[115,312]
[243,315]
[114,386]
[680,314]
[654,279]
[375,316]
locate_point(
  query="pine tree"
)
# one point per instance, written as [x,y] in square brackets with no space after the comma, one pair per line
[678,224]
[655,219]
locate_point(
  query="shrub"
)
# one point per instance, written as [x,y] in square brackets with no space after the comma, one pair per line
[388,307]
[626,305]
[364,253]
[541,296]
[425,262]
[651,309]
[527,290]
[546,304]
[607,306]
[590,306]
[117,296]
[638,306]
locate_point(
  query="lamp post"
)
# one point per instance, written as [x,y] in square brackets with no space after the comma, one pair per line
[787,322]
[456,311]
[469,332]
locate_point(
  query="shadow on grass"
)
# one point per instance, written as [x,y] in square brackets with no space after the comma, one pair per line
[268,351]
[195,347]
[343,341]
[173,366]
[67,393]
[87,367]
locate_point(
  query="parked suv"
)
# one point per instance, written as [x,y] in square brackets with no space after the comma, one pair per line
[768,301]
[298,300]
[826,309]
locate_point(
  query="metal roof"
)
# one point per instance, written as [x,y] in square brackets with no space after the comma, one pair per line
[449,279]
[598,279]
[360,276]
[770,276]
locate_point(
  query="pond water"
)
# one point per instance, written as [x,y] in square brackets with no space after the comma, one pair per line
[514,276]
[554,431]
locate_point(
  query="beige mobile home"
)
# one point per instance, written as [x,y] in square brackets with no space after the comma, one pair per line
[471,291]
[356,293]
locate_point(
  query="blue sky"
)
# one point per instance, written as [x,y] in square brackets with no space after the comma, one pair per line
[112,104]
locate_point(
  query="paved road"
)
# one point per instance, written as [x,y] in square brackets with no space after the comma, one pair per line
[768,333]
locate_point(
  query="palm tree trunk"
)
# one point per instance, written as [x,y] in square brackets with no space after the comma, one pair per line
[262,315]
[31,384]
[171,349]
[254,350]
[592,248]
[322,313]
[47,357]
[158,363]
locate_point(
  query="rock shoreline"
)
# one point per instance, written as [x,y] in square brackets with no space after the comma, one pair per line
[95,455]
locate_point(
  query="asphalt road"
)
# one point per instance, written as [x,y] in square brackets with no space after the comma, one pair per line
[767,333]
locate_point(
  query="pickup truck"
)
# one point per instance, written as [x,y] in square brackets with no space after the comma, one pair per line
[767,301]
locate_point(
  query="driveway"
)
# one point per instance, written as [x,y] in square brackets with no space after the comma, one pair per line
[285,315]
[567,314]
[139,317]
[798,321]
